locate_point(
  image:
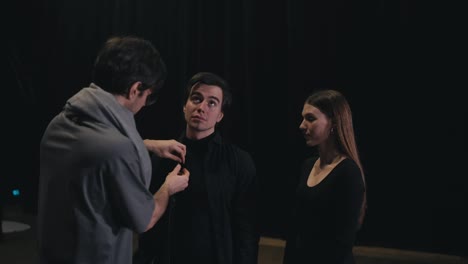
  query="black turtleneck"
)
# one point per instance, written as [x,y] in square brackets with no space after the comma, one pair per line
[191,211]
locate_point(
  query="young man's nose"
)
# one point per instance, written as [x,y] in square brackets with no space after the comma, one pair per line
[203,106]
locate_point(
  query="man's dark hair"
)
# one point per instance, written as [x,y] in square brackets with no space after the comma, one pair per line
[122,61]
[209,78]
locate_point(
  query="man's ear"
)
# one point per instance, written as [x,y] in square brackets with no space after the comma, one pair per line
[133,91]
[220,117]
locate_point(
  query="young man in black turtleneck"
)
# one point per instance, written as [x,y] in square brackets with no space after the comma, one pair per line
[213,220]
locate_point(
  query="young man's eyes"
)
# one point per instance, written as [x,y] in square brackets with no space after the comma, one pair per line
[198,99]
[195,99]
[212,103]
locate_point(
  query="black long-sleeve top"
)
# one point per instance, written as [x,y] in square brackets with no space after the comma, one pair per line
[325,219]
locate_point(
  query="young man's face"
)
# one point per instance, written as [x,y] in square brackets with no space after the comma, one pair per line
[203,111]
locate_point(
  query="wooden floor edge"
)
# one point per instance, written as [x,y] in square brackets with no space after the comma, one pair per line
[273,242]
[380,252]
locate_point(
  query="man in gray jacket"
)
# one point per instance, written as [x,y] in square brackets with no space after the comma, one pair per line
[95,169]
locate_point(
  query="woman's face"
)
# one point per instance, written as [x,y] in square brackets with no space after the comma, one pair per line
[315,125]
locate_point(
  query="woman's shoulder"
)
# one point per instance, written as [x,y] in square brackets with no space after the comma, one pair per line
[349,164]
[350,168]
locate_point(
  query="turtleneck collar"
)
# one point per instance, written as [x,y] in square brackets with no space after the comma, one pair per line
[198,143]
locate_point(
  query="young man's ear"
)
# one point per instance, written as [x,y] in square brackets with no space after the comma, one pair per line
[220,117]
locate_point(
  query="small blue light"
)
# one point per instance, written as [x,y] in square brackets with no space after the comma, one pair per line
[16,192]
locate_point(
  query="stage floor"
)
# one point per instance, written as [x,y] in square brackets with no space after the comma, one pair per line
[19,247]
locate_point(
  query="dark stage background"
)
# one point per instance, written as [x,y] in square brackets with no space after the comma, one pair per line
[389,58]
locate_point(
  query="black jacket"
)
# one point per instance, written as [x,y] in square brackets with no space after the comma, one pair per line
[231,187]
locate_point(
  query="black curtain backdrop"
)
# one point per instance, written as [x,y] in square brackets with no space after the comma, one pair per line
[383,55]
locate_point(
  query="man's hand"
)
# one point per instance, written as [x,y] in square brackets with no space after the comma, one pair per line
[177,180]
[171,149]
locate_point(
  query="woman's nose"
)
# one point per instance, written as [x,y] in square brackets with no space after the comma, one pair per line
[302,126]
